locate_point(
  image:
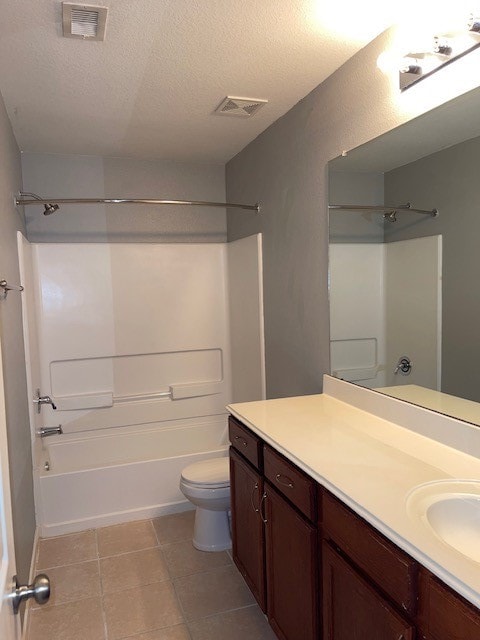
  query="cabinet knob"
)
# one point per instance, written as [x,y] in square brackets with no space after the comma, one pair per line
[244,442]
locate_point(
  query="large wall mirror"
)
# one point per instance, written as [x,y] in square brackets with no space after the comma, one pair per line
[405,286]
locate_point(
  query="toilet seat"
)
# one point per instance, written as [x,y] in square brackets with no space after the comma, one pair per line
[213,473]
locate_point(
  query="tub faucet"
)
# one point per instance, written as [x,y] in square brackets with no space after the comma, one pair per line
[41,400]
[44,432]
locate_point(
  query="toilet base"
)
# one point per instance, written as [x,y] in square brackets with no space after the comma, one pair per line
[212,530]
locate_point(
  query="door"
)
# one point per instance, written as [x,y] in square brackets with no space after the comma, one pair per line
[352,608]
[248,536]
[292,567]
[9,623]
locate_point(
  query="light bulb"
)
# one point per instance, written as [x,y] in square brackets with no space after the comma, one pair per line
[442,46]
[411,65]
[474,23]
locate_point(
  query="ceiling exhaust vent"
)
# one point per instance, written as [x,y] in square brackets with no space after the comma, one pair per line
[84,21]
[242,107]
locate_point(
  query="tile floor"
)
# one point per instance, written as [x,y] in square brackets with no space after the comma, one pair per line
[145,581]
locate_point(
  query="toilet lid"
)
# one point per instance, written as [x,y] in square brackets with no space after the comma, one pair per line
[212,473]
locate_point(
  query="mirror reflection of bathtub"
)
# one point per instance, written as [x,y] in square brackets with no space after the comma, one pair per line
[410,288]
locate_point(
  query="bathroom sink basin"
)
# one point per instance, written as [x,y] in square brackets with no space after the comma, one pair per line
[451,510]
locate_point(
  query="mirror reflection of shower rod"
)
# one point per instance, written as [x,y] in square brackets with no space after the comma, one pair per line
[52,204]
[390,213]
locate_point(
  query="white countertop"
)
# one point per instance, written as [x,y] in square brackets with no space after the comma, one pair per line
[372,465]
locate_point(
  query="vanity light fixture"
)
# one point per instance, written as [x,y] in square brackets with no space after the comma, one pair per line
[446,48]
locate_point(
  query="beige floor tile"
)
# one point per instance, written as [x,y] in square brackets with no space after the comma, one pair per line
[216,591]
[179,632]
[235,625]
[122,538]
[132,569]
[72,582]
[183,559]
[141,609]
[174,528]
[69,549]
[80,620]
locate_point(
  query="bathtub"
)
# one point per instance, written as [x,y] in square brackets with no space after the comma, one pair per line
[92,480]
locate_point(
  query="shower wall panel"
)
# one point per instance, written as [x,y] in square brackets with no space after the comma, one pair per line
[131,334]
[357,313]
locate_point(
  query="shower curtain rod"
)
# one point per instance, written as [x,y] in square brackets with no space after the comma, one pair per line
[51,204]
[389,210]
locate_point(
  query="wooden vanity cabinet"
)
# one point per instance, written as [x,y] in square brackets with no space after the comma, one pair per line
[353,608]
[248,533]
[369,585]
[292,559]
[326,570]
[275,544]
[246,491]
[443,614]
[393,572]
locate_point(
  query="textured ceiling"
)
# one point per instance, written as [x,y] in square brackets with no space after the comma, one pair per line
[150,88]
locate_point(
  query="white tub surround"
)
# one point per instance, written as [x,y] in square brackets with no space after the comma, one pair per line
[371,451]
[133,344]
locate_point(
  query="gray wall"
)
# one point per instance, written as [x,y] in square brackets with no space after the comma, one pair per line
[285,169]
[361,189]
[11,335]
[448,180]
[68,176]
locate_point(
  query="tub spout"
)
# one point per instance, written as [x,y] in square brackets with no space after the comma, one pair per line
[44,432]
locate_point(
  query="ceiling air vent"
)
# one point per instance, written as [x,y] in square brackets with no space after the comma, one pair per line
[84,21]
[242,107]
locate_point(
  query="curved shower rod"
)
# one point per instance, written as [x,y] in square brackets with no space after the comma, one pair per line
[390,212]
[52,204]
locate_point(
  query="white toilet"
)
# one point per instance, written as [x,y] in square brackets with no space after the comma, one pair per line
[207,485]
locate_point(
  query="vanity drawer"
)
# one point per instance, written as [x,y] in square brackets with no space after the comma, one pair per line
[245,442]
[390,568]
[290,481]
[445,615]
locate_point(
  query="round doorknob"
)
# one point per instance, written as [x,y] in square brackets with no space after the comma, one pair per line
[39,590]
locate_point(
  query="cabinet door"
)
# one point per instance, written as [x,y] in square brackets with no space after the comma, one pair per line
[248,538]
[444,615]
[292,570]
[352,608]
